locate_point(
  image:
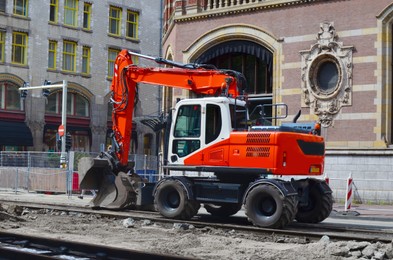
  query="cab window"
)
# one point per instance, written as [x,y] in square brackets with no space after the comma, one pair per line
[188,121]
[213,122]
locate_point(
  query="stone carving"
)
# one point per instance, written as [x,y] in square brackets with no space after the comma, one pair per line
[326,74]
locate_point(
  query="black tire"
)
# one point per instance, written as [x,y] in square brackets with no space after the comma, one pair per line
[222,210]
[319,207]
[172,202]
[267,207]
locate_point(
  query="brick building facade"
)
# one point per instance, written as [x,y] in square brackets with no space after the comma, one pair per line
[331,59]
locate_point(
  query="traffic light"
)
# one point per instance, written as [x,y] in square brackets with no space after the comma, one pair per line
[23,93]
[45,91]
[58,142]
[68,142]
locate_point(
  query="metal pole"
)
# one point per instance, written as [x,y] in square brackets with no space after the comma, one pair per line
[70,173]
[16,181]
[63,155]
[28,172]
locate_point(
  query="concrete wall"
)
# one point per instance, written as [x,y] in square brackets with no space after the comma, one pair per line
[371,171]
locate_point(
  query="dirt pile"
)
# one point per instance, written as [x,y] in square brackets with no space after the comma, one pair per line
[181,239]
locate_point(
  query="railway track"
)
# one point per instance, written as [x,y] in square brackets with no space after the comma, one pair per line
[306,232]
[17,246]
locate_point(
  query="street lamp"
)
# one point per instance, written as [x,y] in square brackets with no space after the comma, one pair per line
[47,85]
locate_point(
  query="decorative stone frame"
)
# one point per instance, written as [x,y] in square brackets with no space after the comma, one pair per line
[326,103]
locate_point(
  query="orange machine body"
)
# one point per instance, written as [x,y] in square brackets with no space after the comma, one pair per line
[270,152]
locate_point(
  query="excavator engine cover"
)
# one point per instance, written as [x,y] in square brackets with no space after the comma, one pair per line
[115,191]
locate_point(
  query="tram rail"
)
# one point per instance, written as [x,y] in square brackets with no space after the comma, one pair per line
[306,232]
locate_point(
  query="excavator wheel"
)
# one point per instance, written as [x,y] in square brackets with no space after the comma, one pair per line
[267,207]
[222,210]
[172,202]
[318,208]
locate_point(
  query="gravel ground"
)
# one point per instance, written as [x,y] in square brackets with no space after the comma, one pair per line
[180,239]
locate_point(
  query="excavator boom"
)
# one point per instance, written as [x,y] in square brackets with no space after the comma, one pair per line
[196,78]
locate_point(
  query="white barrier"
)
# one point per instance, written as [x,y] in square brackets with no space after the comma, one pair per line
[349,193]
[327,178]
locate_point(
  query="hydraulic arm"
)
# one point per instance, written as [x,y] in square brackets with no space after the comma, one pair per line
[200,79]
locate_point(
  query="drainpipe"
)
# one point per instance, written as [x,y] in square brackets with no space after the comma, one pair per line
[158,133]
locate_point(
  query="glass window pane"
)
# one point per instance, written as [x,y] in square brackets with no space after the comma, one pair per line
[86,15]
[69,49]
[188,121]
[132,25]
[52,105]
[70,12]
[114,20]
[2,6]
[213,122]
[185,147]
[19,45]
[86,60]
[52,55]
[12,98]
[20,7]
[53,11]
[112,54]
[70,103]
[327,76]
[2,45]
[2,95]
[238,117]
[81,106]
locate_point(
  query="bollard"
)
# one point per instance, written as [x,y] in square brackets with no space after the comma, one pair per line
[326,178]
[348,198]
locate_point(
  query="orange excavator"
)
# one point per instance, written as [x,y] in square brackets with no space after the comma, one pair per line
[215,156]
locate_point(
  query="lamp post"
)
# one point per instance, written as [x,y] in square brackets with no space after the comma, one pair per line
[63,156]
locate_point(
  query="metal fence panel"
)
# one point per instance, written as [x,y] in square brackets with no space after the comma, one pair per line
[40,171]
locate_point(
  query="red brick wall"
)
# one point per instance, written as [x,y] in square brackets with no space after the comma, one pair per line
[298,25]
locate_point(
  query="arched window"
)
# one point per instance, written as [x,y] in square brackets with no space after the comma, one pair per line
[10,96]
[78,120]
[251,59]
[77,105]
[15,135]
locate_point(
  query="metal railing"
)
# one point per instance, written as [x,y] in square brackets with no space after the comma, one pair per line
[217,4]
[40,171]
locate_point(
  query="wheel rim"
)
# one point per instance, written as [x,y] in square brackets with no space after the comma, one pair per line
[310,206]
[172,200]
[267,206]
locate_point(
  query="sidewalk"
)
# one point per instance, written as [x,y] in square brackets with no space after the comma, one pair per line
[366,211]
[363,211]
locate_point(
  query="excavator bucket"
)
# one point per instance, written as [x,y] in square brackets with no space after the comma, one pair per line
[115,191]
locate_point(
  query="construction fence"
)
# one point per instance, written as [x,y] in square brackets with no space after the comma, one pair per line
[41,172]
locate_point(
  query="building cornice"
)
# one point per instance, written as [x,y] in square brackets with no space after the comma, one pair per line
[253,7]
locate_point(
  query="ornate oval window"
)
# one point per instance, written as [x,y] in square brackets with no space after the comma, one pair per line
[325,76]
